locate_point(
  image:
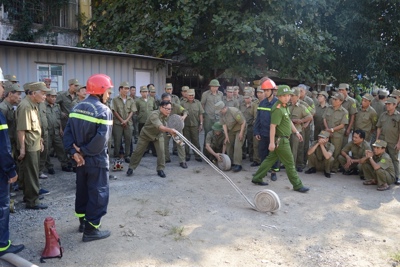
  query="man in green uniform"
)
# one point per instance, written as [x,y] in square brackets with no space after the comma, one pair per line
[208,100]
[181,111]
[228,99]
[215,142]
[320,108]
[193,122]
[45,136]
[65,99]
[378,169]
[306,132]
[388,129]
[396,95]
[280,129]
[30,142]
[351,106]
[144,105]
[153,131]
[55,133]
[353,156]
[169,90]
[335,119]
[123,107]
[153,94]
[135,125]
[184,93]
[320,155]
[234,125]
[366,117]
[247,109]
[80,95]
[236,94]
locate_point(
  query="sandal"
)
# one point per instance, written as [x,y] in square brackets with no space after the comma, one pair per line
[370,182]
[383,187]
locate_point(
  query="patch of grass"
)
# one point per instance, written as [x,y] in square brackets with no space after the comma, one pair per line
[396,257]
[164,212]
[177,232]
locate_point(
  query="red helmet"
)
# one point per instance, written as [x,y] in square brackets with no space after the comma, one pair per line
[97,84]
[268,84]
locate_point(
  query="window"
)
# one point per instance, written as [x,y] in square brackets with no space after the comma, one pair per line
[54,72]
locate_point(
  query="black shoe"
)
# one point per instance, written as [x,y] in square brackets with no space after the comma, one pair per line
[127,159]
[259,183]
[310,170]
[302,189]
[12,249]
[129,172]
[237,168]
[255,164]
[51,171]
[183,165]
[299,169]
[351,172]
[24,200]
[168,161]
[397,181]
[362,178]
[341,169]
[81,225]
[333,172]
[161,174]
[154,154]
[187,158]
[74,169]
[94,234]
[175,153]
[43,192]
[327,174]
[199,160]
[274,177]
[66,169]
[37,207]
[244,156]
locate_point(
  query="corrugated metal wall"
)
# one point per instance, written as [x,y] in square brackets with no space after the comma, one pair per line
[23,63]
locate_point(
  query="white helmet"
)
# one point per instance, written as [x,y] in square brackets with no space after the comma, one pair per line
[2,76]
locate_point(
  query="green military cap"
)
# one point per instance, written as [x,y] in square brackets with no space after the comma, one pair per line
[124,84]
[38,86]
[395,93]
[339,96]
[283,90]
[369,97]
[296,91]
[77,89]
[214,83]
[324,93]
[53,92]
[248,95]
[185,88]
[152,89]
[191,92]
[219,106]
[73,81]
[344,86]
[236,88]
[11,77]
[12,87]
[314,93]
[229,89]
[257,83]
[379,143]
[324,134]
[391,100]
[26,86]
[168,86]
[217,127]
[143,88]
[259,90]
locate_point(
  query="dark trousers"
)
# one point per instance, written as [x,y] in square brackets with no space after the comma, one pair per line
[4,211]
[30,171]
[92,193]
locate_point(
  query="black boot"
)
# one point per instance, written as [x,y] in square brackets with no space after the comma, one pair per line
[92,234]
[81,225]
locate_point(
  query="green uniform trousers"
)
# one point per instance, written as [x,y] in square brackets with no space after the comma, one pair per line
[45,152]
[180,149]
[248,147]
[118,131]
[234,147]
[256,155]
[192,134]
[135,127]
[141,147]
[207,124]
[55,142]
[357,166]
[336,140]
[296,147]
[380,176]
[284,154]
[324,165]
[394,155]
[30,169]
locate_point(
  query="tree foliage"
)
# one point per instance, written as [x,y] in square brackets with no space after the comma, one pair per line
[311,40]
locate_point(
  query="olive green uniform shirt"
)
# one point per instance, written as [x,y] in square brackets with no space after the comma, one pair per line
[310,103]
[350,105]
[144,108]
[366,120]
[379,106]
[318,117]
[336,117]
[53,118]
[123,109]
[231,103]
[178,109]
[298,111]
[153,122]
[357,152]
[280,116]
[216,142]
[28,121]
[175,99]
[390,127]
[233,119]
[66,101]
[43,117]
[208,100]
[330,148]
[248,112]
[385,162]
[9,113]
[195,109]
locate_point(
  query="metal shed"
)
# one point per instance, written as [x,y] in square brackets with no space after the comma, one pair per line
[36,61]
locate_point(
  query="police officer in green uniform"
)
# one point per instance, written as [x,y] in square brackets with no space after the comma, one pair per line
[208,100]
[306,132]
[234,125]
[247,109]
[215,142]
[366,117]
[30,142]
[388,129]
[169,90]
[236,94]
[320,108]
[350,105]
[55,132]
[184,93]
[319,155]
[228,99]
[123,107]
[181,111]
[153,131]
[378,169]
[335,119]
[193,122]
[353,156]
[65,99]
[153,94]
[280,129]
[144,105]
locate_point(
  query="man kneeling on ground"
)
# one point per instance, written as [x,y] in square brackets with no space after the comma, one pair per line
[320,155]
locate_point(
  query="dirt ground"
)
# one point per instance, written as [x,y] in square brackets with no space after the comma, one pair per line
[195,218]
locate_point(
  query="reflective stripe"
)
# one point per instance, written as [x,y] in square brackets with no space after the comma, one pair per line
[3,126]
[95,226]
[79,215]
[90,119]
[261,108]
[6,247]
